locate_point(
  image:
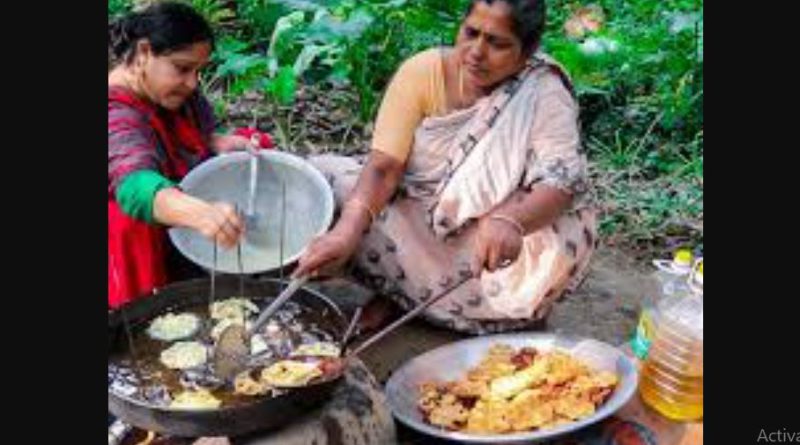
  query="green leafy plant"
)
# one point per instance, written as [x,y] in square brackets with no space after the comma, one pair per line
[117,8]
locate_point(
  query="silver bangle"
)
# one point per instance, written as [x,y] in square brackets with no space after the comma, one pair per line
[511,221]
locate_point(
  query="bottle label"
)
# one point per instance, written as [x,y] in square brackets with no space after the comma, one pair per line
[640,343]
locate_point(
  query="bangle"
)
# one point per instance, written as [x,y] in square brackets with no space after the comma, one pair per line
[511,221]
[363,205]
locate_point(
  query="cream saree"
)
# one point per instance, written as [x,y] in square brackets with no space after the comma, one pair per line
[462,165]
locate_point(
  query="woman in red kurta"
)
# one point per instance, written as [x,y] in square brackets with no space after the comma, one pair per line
[159,127]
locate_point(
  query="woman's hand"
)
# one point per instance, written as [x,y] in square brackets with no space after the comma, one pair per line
[226,143]
[498,241]
[327,253]
[497,244]
[375,185]
[219,221]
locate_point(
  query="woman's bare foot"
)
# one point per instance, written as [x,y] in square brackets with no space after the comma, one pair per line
[377,313]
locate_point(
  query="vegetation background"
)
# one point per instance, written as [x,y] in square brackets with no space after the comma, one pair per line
[312,72]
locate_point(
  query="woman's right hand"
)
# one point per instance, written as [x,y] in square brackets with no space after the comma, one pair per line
[376,183]
[327,253]
[219,221]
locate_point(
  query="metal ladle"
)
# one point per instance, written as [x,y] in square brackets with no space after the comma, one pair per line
[337,365]
[231,352]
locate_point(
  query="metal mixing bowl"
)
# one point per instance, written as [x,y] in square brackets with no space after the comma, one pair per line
[309,209]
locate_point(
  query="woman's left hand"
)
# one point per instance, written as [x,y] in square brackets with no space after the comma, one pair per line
[497,244]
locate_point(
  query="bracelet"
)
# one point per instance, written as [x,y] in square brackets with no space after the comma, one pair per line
[363,205]
[511,221]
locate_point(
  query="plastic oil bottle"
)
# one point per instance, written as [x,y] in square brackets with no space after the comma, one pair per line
[671,277]
[672,376]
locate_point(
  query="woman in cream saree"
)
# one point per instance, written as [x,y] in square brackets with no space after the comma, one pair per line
[496,186]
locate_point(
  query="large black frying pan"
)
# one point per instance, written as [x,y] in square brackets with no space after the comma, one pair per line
[263,413]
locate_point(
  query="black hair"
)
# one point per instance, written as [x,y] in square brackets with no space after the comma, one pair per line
[168,26]
[529,17]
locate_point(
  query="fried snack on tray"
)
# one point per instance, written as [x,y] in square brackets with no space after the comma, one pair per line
[245,384]
[449,411]
[171,327]
[237,309]
[516,391]
[319,349]
[184,355]
[290,373]
[196,399]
